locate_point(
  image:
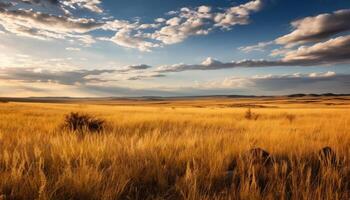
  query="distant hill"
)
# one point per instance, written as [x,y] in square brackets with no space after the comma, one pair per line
[318,95]
[151,98]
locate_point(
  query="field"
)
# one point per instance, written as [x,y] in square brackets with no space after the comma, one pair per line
[177,149]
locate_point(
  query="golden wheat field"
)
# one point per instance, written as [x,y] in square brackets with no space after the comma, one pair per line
[177,149]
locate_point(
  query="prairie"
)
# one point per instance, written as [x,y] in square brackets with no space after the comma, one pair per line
[176,149]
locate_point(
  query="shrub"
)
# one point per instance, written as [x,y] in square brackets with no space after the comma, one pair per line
[83,122]
[250,115]
[290,117]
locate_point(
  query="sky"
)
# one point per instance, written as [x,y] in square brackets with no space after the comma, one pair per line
[103,48]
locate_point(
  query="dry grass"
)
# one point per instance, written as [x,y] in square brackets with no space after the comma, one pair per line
[174,152]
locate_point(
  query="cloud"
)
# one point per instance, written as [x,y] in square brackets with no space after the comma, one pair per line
[134,68]
[212,64]
[187,23]
[138,67]
[34,82]
[282,84]
[4,5]
[145,76]
[307,30]
[129,34]
[125,39]
[237,14]
[44,26]
[98,90]
[72,49]
[92,5]
[33,21]
[258,47]
[67,5]
[181,25]
[202,21]
[333,51]
[31,75]
[305,83]
[76,77]
[317,28]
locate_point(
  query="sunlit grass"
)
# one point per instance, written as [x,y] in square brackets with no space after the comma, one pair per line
[172,152]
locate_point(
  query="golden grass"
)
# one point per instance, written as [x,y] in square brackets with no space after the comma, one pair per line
[175,150]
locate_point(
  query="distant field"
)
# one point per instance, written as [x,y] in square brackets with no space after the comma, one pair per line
[184,148]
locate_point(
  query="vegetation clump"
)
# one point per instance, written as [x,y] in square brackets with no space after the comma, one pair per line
[79,122]
[290,117]
[249,115]
[327,156]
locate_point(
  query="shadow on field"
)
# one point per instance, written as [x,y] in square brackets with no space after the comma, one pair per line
[256,174]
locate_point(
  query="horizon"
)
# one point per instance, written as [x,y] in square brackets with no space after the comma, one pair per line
[94,49]
[295,95]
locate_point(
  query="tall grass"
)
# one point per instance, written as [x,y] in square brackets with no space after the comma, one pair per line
[172,153]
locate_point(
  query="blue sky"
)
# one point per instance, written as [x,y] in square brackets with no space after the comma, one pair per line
[173,48]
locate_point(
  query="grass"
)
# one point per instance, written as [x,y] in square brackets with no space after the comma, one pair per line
[175,150]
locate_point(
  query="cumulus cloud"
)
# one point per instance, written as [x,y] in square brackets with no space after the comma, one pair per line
[237,14]
[125,38]
[92,5]
[317,28]
[67,5]
[33,22]
[129,34]
[187,23]
[182,24]
[307,30]
[332,51]
[202,21]
[335,50]
[39,25]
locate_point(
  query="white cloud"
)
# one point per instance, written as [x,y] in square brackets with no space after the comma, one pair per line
[35,24]
[204,9]
[68,5]
[125,38]
[160,20]
[73,49]
[182,24]
[237,15]
[258,47]
[327,74]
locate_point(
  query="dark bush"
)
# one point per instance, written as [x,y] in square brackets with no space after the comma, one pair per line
[83,122]
[249,115]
